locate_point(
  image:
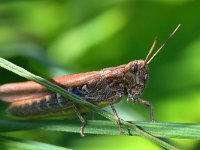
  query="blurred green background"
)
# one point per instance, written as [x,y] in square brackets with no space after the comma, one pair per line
[52,38]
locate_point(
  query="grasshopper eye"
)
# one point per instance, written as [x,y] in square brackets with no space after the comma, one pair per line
[135,69]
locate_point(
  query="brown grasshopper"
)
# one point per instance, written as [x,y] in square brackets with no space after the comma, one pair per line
[102,88]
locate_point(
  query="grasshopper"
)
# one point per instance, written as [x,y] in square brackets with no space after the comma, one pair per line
[102,88]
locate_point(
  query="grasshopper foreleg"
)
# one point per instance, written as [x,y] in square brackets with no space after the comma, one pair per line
[147,104]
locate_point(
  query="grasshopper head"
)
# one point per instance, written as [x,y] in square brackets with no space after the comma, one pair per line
[135,78]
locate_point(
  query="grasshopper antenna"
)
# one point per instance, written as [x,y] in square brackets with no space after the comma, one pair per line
[154,43]
[151,50]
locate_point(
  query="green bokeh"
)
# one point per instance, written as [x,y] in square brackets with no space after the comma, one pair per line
[52,38]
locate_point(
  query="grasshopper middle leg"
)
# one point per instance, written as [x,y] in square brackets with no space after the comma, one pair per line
[84,122]
[117,118]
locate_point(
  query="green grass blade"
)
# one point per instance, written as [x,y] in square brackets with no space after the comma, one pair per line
[161,130]
[24,73]
[16,143]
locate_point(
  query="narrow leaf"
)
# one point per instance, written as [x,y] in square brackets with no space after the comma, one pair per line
[17,143]
[162,130]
